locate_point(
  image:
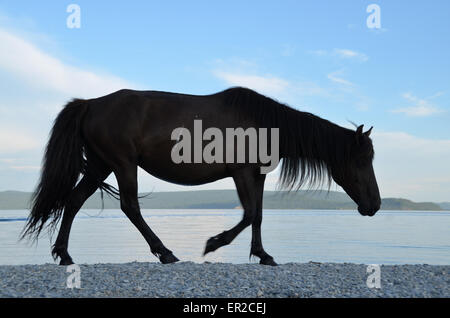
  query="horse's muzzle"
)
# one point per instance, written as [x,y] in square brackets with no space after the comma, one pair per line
[368,211]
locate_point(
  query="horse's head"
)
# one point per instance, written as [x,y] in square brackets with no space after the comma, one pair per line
[357,177]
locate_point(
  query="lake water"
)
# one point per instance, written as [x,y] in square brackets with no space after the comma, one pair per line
[390,237]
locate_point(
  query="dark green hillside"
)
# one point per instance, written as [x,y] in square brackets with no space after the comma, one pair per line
[403,204]
[227,199]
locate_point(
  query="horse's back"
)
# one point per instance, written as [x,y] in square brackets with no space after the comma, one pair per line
[139,125]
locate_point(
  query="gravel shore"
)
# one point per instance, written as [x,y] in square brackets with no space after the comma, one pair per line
[187,279]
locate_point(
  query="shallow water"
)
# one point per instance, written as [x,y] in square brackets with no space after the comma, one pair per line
[390,237]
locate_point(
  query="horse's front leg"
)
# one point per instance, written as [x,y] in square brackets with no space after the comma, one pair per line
[257,247]
[245,185]
[250,187]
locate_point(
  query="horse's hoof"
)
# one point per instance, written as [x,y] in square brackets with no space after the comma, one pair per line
[168,258]
[66,262]
[211,245]
[268,261]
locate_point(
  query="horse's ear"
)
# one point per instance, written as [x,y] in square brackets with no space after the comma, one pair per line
[367,133]
[359,130]
[359,133]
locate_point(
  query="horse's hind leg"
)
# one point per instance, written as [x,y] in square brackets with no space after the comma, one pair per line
[85,188]
[127,179]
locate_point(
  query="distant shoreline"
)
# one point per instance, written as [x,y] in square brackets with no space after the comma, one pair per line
[228,199]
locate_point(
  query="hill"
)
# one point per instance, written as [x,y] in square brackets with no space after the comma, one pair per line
[228,199]
[445,205]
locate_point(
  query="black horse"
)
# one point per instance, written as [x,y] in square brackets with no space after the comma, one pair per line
[126,129]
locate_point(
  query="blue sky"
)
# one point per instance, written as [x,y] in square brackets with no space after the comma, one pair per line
[317,56]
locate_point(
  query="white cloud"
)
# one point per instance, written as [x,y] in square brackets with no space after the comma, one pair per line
[342,54]
[438,94]
[336,77]
[421,107]
[412,167]
[35,85]
[238,72]
[26,168]
[12,141]
[349,54]
[418,111]
[45,83]
[38,69]
[8,160]
[293,92]
[265,84]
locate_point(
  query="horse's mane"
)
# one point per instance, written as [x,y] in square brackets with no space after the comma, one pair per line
[310,147]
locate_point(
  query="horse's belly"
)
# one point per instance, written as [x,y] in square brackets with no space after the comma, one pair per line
[183,173]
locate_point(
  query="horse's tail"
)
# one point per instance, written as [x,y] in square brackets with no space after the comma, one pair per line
[62,165]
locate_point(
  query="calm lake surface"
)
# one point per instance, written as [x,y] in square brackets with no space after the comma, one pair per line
[390,237]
